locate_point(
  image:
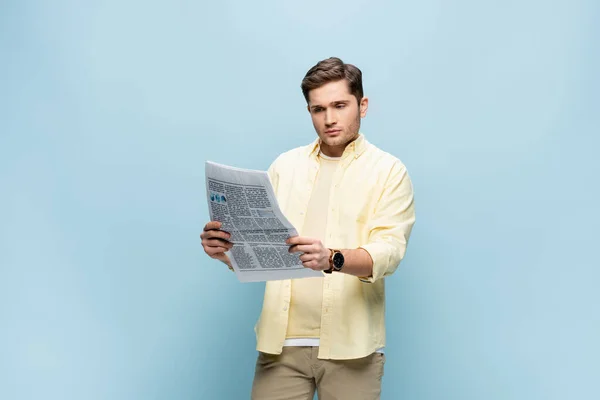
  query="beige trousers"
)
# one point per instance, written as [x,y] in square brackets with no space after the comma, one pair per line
[296,373]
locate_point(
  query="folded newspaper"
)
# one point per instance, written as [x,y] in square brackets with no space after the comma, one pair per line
[244,202]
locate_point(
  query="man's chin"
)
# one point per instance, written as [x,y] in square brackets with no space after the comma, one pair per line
[337,141]
[332,141]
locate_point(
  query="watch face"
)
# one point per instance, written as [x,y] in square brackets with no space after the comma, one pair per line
[338,261]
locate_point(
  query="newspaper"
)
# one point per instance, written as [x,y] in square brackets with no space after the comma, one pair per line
[244,202]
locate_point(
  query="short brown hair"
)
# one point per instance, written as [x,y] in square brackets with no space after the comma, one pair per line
[331,70]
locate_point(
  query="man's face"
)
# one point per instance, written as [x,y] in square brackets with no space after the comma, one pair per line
[336,116]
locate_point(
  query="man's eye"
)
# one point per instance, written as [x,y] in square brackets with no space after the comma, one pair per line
[340,106]
[317,110]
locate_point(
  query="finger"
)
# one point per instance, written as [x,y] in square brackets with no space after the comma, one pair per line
[311,264]
[211,246]
[217,243]
[215,234]
[302,248]
[300,240]
[219,256]
[291,239]
[214,251]
[212,225]
[307,257]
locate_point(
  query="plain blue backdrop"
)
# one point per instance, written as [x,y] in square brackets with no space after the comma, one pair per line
[109,109]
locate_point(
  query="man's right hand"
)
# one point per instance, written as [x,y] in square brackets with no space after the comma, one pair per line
[215,242]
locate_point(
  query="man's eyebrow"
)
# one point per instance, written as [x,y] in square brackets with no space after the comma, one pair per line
[333,103]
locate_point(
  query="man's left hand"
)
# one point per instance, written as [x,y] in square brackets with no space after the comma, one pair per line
[315,256]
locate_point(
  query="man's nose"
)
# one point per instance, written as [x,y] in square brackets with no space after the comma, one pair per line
[330,117]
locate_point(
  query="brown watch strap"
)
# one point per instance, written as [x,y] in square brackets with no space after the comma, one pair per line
[331,253]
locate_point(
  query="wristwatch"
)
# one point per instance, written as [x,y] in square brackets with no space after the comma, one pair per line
[336,261]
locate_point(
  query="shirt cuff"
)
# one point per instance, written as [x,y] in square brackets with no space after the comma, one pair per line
[380,254]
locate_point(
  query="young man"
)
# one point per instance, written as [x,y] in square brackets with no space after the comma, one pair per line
[352,204]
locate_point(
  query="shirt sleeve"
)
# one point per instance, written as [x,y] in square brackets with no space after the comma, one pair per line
[274,175]
[391,224]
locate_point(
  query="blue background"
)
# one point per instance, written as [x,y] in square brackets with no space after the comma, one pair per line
[108,110]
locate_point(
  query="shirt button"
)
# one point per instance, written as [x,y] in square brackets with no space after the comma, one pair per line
[285,308]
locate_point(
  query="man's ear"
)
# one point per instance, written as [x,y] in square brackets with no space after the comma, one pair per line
[364,106]
[308,108]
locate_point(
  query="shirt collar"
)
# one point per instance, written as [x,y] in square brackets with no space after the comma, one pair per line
[356,148]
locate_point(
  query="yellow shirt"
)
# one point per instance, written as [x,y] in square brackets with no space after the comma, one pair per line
[371,207]
[307,294]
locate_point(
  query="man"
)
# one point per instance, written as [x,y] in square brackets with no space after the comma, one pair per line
[352,204]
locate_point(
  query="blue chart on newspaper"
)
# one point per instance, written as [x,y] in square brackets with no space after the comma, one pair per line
[244,202]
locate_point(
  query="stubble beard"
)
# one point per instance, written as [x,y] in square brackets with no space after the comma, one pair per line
[349,134]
